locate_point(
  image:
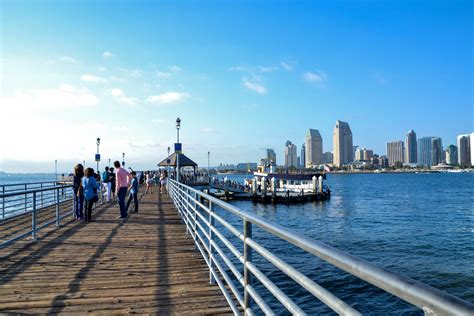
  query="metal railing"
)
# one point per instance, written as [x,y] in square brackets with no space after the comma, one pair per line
[22,202]
[198,211]
[16,202]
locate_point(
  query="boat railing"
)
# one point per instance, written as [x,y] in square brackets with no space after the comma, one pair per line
[208,228]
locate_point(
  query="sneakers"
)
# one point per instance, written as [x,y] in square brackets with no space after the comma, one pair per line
[120,217]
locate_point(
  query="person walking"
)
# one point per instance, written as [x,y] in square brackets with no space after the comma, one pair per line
[122,177]
[78,191]
[91,187]
[133,192]
[163,178]
[112,180]
[149,182]
[106,183]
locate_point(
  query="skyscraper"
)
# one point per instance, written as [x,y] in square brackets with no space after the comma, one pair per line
[395,152]
[303,156]
[471,145]
[464,150]
[342,144]
[451,155]
[436,151]
[291,159]
[314,148]
[271,156]
[327,157]
[411,147]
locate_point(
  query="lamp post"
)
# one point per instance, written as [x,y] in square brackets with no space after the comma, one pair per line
[178,126]
[168,160]
[123,160]
[208,164]
[97,158]
[84,163]
[109,163]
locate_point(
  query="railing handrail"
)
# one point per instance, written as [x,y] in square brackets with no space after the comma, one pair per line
[15,193]
[28,183]
[419,294]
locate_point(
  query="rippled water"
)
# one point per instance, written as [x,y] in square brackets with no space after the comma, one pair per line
[417,225]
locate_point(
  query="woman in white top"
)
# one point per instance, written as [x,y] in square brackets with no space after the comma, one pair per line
[149,182]
[163,177]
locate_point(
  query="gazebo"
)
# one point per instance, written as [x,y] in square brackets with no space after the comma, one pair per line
[184,161]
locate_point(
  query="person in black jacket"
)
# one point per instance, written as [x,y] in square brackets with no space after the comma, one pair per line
[78,192]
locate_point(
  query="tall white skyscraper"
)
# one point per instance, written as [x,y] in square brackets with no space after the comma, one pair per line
[411,147]
[343,151]
[395,152]
[464,150]
[291,158]
[313,148]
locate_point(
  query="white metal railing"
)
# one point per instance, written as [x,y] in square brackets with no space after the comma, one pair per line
[198,211]
[16,202]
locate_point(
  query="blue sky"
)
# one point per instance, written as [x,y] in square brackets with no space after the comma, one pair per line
[241,75]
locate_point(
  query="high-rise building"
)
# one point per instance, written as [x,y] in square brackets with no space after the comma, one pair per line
[291,159]
[436,151]
[464,150]
[451,155]
[328,157]
[471,145]
[303,156]
[395,152]
[271,156]
[411,147]
[354,150]
[342,144]
[314,148]
[429,151]
[363,154]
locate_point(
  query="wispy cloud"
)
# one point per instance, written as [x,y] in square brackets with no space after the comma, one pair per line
[287,66]
[168,97]
[316,77]
[176,68]
[107,54]
[171,70]
[121,97]
[252,70]
[93,79]
[68,59]
[254,86]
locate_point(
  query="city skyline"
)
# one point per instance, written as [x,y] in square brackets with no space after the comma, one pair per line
[65,83]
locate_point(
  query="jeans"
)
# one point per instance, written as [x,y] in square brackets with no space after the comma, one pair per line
[122,193]
[133,196]
[89,204]
[78,206]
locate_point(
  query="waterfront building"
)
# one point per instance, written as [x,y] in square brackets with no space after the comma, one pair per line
[395,152]
[342,144]
[290,155]
[451,155]
[303,156]
[327,157]
[313,148]
[411,148]
[364,154]
[271,156]
[471,145]
[383,161]
[246,166]
[354,150]
[436,151]
[464,150]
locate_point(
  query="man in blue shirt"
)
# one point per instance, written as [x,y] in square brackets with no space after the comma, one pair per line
[133,192]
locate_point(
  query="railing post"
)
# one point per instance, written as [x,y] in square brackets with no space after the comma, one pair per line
[57,207]
[247,258]
[26,197]
[194,219]
[33,218]
[211,249]
[42,202]
[3,202]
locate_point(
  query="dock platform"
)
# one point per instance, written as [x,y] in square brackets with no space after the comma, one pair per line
[145,264]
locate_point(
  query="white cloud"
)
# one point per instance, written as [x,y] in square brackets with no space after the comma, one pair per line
[65,96]
[267,68]
[93,79]
[168,97]
[107,54]
[287,66]
[175,68]
[116,92]
[121,97]
[316,77]
[67,59]
[254,86]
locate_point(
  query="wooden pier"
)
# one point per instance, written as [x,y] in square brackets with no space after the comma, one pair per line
[145,264]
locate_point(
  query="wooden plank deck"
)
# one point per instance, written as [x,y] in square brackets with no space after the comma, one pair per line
[146,264]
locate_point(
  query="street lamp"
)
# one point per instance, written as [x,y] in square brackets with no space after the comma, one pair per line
[109,163]
[168,160]
[123,160]
[97,158]
[178,126]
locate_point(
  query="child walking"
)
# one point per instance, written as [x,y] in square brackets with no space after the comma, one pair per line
[133,192]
